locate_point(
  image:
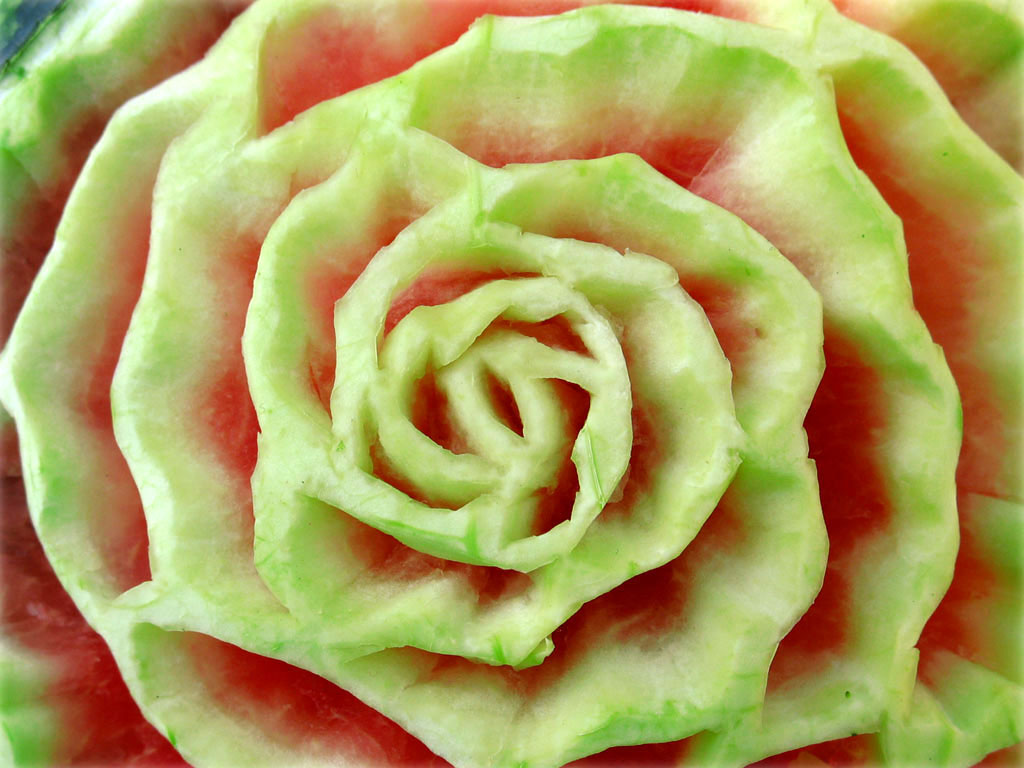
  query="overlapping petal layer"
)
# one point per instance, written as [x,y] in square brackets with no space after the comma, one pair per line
[517,375]
[975,49]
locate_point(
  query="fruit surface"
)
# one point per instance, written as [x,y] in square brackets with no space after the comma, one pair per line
[570,389]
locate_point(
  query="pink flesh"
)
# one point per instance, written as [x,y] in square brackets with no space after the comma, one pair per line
[300,709]
[555,502]
[860,750]
[723,305]
[962,624]
[432,417]
[118,523]
[1010,757]
[98,721]
[944,263]
[224,411]
[844,425]
[944,267]
[344,53]
[643,461]
[329,278]
[504,404]
[27,244]
[389,559]
[652,755]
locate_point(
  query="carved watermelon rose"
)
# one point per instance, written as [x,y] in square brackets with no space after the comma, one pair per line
[561,391]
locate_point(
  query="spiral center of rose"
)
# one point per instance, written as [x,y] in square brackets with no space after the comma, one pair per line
[480,505]
[498,484]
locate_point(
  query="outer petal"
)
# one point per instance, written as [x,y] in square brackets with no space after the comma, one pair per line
[960,210]
[974,48]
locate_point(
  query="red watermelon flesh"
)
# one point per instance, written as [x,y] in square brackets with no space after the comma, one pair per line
[98,721]
[947,256]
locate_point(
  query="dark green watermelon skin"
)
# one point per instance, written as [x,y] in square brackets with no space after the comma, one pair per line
[19,20]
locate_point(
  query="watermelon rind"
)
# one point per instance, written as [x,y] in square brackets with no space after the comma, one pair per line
[203,576]
[19,22]
[30,726]
[974,48]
